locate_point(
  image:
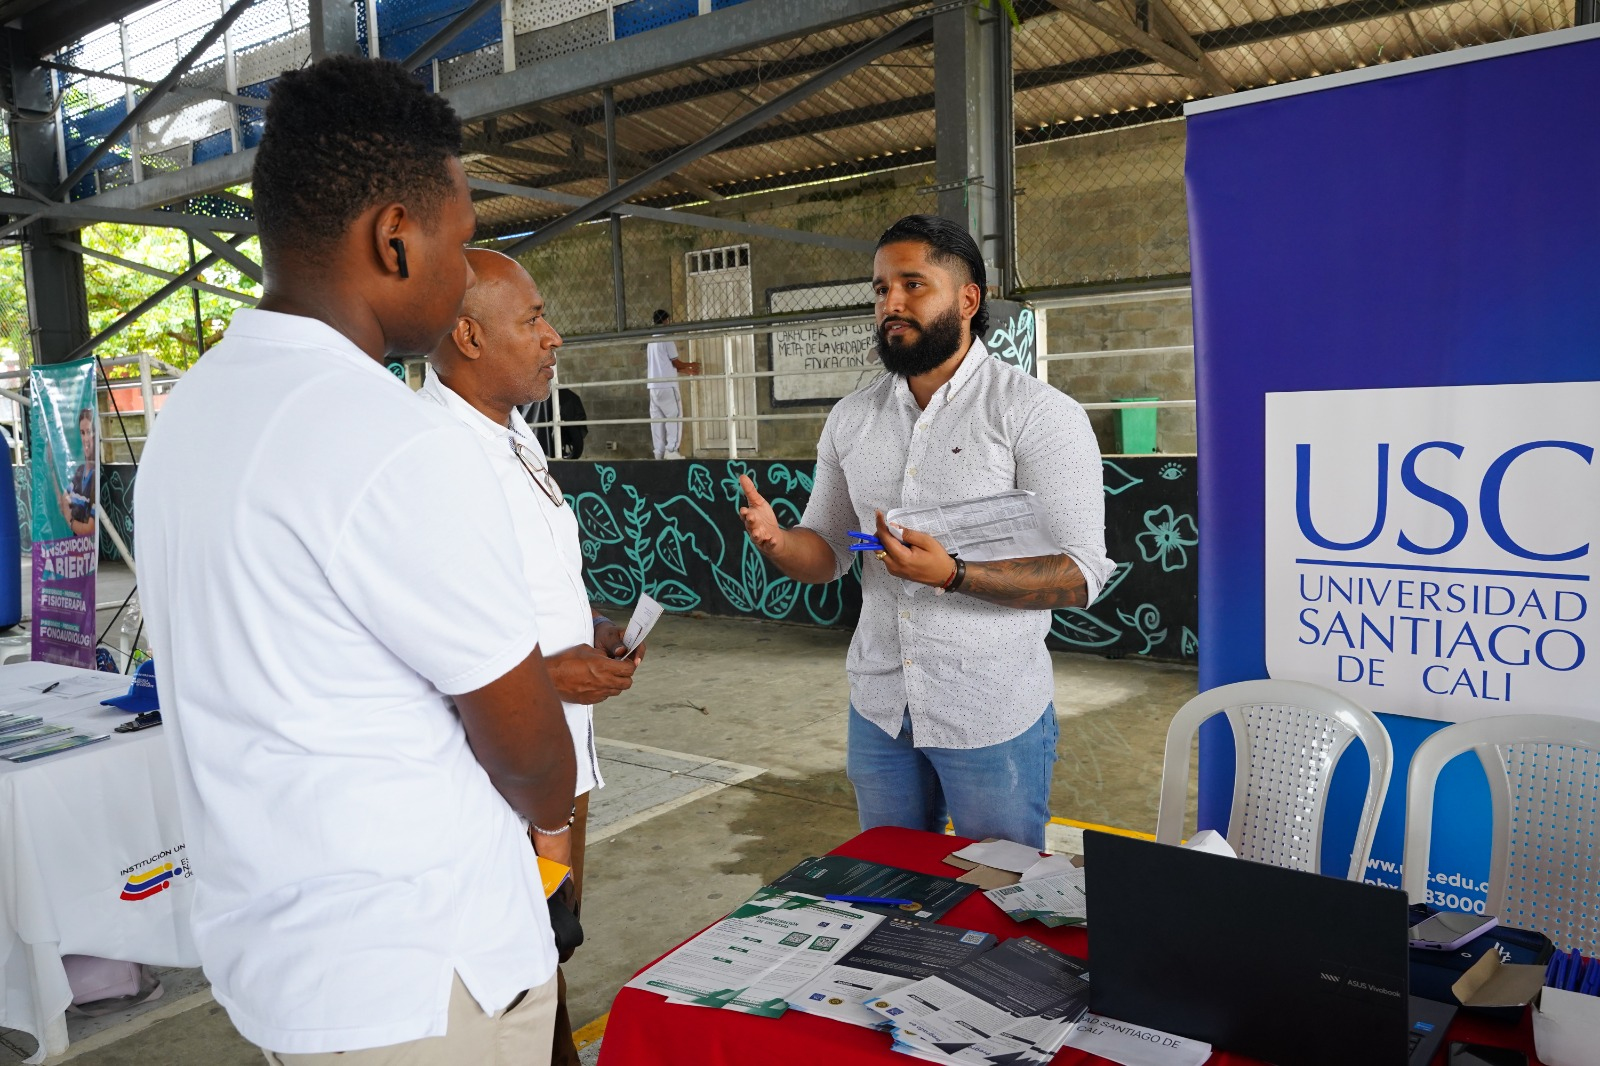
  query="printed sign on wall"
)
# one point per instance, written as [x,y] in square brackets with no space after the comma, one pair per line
[821,362]
[1428,550]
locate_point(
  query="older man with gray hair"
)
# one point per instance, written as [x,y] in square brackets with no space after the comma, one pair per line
[500,356]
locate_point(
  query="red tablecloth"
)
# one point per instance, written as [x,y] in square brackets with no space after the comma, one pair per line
[645,1030]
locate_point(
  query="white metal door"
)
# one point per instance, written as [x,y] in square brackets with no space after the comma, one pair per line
[719,287]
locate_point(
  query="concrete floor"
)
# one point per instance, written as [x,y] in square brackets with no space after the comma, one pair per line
[678,846]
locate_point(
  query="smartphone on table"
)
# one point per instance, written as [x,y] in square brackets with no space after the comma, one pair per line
[1448,930]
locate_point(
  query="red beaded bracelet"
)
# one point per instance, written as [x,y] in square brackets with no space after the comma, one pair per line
[957,575]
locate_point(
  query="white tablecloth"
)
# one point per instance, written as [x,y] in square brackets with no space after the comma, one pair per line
[81,834]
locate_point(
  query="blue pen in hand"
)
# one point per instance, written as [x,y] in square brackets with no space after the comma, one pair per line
[869,542]
[880,900]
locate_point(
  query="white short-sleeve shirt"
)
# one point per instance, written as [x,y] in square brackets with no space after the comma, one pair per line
[658,359]
[323,561]
[552,560]
[972,673]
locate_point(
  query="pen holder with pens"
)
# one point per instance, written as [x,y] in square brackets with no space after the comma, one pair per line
[1566,1017]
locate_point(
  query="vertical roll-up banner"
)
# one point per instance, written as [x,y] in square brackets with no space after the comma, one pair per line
[1398,370]
[63,454]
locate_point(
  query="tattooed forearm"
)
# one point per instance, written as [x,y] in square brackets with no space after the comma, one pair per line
[1042,583]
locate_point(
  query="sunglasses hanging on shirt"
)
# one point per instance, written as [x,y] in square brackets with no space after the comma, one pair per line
[539,472]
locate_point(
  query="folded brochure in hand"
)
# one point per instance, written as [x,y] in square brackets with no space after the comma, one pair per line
[552,875]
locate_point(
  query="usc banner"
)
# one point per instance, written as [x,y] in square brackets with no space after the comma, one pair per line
[1398,372]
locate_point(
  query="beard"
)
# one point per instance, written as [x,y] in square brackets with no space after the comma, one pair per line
[937,340]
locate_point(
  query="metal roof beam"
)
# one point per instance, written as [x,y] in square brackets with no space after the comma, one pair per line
[241,262]
[152,98]
[1165,22]
[750,25]
[746,26]
[623,154]
[80,213]
[756,75]
[155,272]
[155,298]
[333,28]
[784,131]
[889,42]
[197,91]
[451,30]
[678,218]
[568,75]
[60,22]
[1114,24]
[181,184]
[770,183]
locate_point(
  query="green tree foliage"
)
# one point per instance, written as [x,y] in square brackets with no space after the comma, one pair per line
[13,307]
[168,330]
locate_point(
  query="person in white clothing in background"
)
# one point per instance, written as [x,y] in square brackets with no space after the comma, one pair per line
[502,356]
[666,402]
[351,675]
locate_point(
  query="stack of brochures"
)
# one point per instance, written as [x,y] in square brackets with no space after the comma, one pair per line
[760,956]
[1055,899]
[899,952]
[874,887]
[1016,1003]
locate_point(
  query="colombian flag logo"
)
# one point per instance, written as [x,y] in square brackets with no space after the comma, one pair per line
[148,883]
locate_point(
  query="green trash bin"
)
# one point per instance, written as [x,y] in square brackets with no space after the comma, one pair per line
[1137,425]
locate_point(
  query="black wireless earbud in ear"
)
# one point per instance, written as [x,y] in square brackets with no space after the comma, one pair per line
[399,247]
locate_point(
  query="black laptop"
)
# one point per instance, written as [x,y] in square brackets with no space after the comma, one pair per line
[1293,968]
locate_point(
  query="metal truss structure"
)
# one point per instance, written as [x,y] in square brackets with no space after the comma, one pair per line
[630,113]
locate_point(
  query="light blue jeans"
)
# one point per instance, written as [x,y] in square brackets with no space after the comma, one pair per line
[999,791]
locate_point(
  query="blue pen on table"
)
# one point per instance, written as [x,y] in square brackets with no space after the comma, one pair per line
[883,901]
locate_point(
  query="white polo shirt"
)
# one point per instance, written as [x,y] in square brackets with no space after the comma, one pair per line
[552,560]
[323,561]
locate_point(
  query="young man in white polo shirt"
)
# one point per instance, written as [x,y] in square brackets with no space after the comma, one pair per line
[501,356]
[357,704]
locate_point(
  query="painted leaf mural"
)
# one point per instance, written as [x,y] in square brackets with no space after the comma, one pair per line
[674,529]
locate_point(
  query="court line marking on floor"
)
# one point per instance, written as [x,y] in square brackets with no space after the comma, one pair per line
[138,1023]
[591,1032]
[1103,828]
[736,773]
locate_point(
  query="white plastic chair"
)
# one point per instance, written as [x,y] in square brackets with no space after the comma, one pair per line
[1544,784]
[1288,737]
